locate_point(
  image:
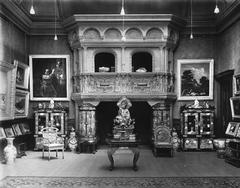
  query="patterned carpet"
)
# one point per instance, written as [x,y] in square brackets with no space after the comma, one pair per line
[115,182]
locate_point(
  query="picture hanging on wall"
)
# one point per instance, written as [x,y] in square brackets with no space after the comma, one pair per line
[235,107]
[195,79]
[49,77]
[22,75]
[237,84]
[7,90]
[21,103]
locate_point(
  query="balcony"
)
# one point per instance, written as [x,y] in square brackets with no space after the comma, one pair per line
[110,86]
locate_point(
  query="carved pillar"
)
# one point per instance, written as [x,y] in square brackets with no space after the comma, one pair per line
[87,121]
[80,55]
[161,115]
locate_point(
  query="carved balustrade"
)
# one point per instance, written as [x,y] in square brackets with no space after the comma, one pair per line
[106,84]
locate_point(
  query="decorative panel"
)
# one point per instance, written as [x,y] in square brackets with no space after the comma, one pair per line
[134,34]
[112,34]
[154,34]
[91,34]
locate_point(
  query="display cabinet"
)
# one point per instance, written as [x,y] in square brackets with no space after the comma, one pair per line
[197,127]
[49,117]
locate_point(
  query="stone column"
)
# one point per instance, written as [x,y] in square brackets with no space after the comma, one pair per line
[87,121]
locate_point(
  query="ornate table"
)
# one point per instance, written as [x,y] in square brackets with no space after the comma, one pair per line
[115,144]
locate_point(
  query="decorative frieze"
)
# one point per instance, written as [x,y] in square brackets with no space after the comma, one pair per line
[155,84]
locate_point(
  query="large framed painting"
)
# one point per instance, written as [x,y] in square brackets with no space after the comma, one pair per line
[7,90]
[235,107]
[237,84]
[22,75]
[195,79]
[49,77]
[21,103]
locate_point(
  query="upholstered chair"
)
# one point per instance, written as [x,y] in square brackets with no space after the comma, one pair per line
[52,141]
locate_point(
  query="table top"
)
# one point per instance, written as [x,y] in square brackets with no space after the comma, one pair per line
[122,143]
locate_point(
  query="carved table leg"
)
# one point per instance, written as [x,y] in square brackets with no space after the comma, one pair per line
[110,153]
[135,158]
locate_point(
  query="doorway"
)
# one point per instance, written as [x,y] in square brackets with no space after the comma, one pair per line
[224,91]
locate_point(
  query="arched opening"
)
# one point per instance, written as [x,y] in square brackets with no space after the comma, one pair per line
[140,111]
[104,62]
[141,62]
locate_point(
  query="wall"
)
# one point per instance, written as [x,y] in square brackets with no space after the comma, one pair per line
[13,43]
[200,47]
[45,45]
[228,43]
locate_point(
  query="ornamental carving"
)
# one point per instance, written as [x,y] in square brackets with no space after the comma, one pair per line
[124,83]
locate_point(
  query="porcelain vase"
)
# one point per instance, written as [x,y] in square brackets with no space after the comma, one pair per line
[10,151]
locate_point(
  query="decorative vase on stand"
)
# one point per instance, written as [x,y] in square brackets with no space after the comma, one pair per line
[10,151]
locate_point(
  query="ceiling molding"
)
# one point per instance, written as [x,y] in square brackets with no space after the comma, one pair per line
[229,16]
[10,11]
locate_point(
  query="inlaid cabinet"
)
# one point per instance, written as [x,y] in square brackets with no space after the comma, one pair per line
[197,128]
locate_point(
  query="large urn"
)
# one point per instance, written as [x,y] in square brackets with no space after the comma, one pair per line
[10,151]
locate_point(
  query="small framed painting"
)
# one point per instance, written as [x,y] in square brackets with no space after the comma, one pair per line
[235,106]
[17,129]
[232,128]
[49,77]
[237,84]
[2,133]
[24,128]
[21,103]
[195,79]
[22,75]
[9,132]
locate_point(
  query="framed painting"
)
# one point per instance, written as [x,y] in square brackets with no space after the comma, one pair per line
[25,129]
[235,107]
[2,133]
[232,128]
[49,77]
[9,132]
[17,129]
[22,75]
[21,103]
[195,79]
[237,84]
[7,90]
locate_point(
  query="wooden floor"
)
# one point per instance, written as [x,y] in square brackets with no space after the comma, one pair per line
[190,164]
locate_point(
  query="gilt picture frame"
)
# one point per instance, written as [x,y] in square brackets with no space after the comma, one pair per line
[235,106]
[195,79]
[237,85]
[22,75]
[49,77]
[7,90]
[21,103]
[232,128]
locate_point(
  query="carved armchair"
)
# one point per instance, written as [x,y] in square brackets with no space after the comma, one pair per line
[162,140]
[52,141]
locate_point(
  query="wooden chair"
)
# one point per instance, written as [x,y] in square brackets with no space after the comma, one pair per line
[162,140]
[51,141]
